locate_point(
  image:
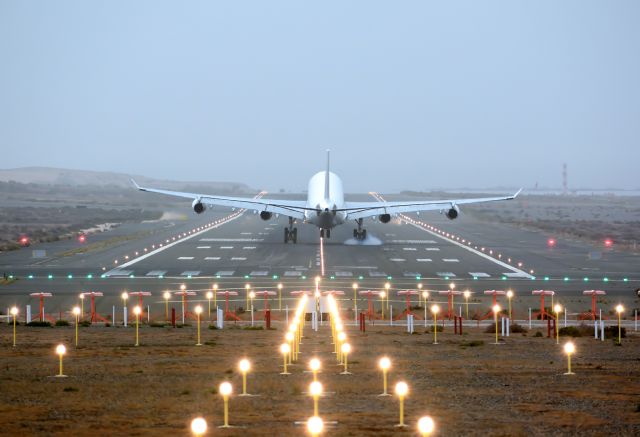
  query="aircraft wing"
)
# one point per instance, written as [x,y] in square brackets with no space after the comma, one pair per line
[290,208]
[356,210]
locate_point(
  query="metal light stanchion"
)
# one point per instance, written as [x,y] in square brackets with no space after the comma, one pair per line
[76,312]
[14,313]
[385,364]
[137,310]
[569,349]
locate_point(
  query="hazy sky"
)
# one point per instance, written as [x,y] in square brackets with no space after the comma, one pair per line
[406,94]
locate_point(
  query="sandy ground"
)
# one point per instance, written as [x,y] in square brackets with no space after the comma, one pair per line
[516,388]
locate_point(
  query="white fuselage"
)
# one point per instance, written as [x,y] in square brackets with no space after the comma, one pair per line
[325,215]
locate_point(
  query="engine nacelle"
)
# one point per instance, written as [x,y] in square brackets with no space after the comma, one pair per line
[384,218]
[452,213]
[198,206]
[266,215]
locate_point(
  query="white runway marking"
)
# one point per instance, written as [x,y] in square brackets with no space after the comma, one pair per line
[185,257]
[343,274]
[292,273]
[203,247]
[248,247]
[424,260]
[446,274]
[212,258]
[409,248]
[516,275]
[238,258]
[231,240]
[411,241]
[225,273]
[480,275]
[410,274]
[377,274]
[451,260]
[156,273]
[259,273]
[190,273]
[226,247]
[118,272]
[246,233]
[433,249]
[397,260]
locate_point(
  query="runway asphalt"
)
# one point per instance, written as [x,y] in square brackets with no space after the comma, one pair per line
[476,255]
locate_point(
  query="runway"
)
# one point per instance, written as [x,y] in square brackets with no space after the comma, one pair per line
[233,248]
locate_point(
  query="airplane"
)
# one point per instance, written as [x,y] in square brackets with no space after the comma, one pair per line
[325,206]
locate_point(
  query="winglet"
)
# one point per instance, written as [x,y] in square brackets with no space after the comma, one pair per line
[135,184]
[516,195]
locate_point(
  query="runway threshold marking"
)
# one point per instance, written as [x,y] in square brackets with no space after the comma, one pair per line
[521,273]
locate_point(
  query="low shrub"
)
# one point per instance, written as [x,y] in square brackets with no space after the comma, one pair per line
[62,323]
[39,324]
[518,329]
[253,328]
[213,327]
[472,343]
[538,334]
[439,328]
[570,331]
[157,324]
[85,323]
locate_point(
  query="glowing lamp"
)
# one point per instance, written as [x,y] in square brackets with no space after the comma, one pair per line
[225,390]
[385,365]
[569,349]
[244,366]
[315,426]
[198,426]
[401,390]
[426,426]
[315,390]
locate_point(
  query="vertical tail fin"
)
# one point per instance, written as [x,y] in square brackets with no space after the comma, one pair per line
[326,177]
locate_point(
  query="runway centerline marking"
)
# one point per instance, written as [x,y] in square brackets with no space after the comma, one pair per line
[185,257]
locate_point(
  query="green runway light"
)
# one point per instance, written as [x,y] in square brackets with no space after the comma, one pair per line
[189,277]
[546,278]
[475,278]
[30,276]
[446,278]
[103,276]
[246,276]
[360,278]
[50,276]
[625,279]
[69,276]
[566,278]
[274,277]
[132,276]
[606,279]
[332,277]
[586,279]
[217,276]
[418,278]
[389,277]
[89,276]
[304,277]
[504,278]
[161,276]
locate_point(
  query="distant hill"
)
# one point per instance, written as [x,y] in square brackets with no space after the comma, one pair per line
[81,178]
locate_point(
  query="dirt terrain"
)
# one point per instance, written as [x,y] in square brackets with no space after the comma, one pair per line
[468,385]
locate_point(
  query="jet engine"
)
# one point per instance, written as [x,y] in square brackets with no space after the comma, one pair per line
[452,213]
[265,215]
[384,218]
[198,206]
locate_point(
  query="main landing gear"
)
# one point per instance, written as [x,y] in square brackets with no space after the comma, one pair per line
[359,233]
[291,233]
[325,233]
